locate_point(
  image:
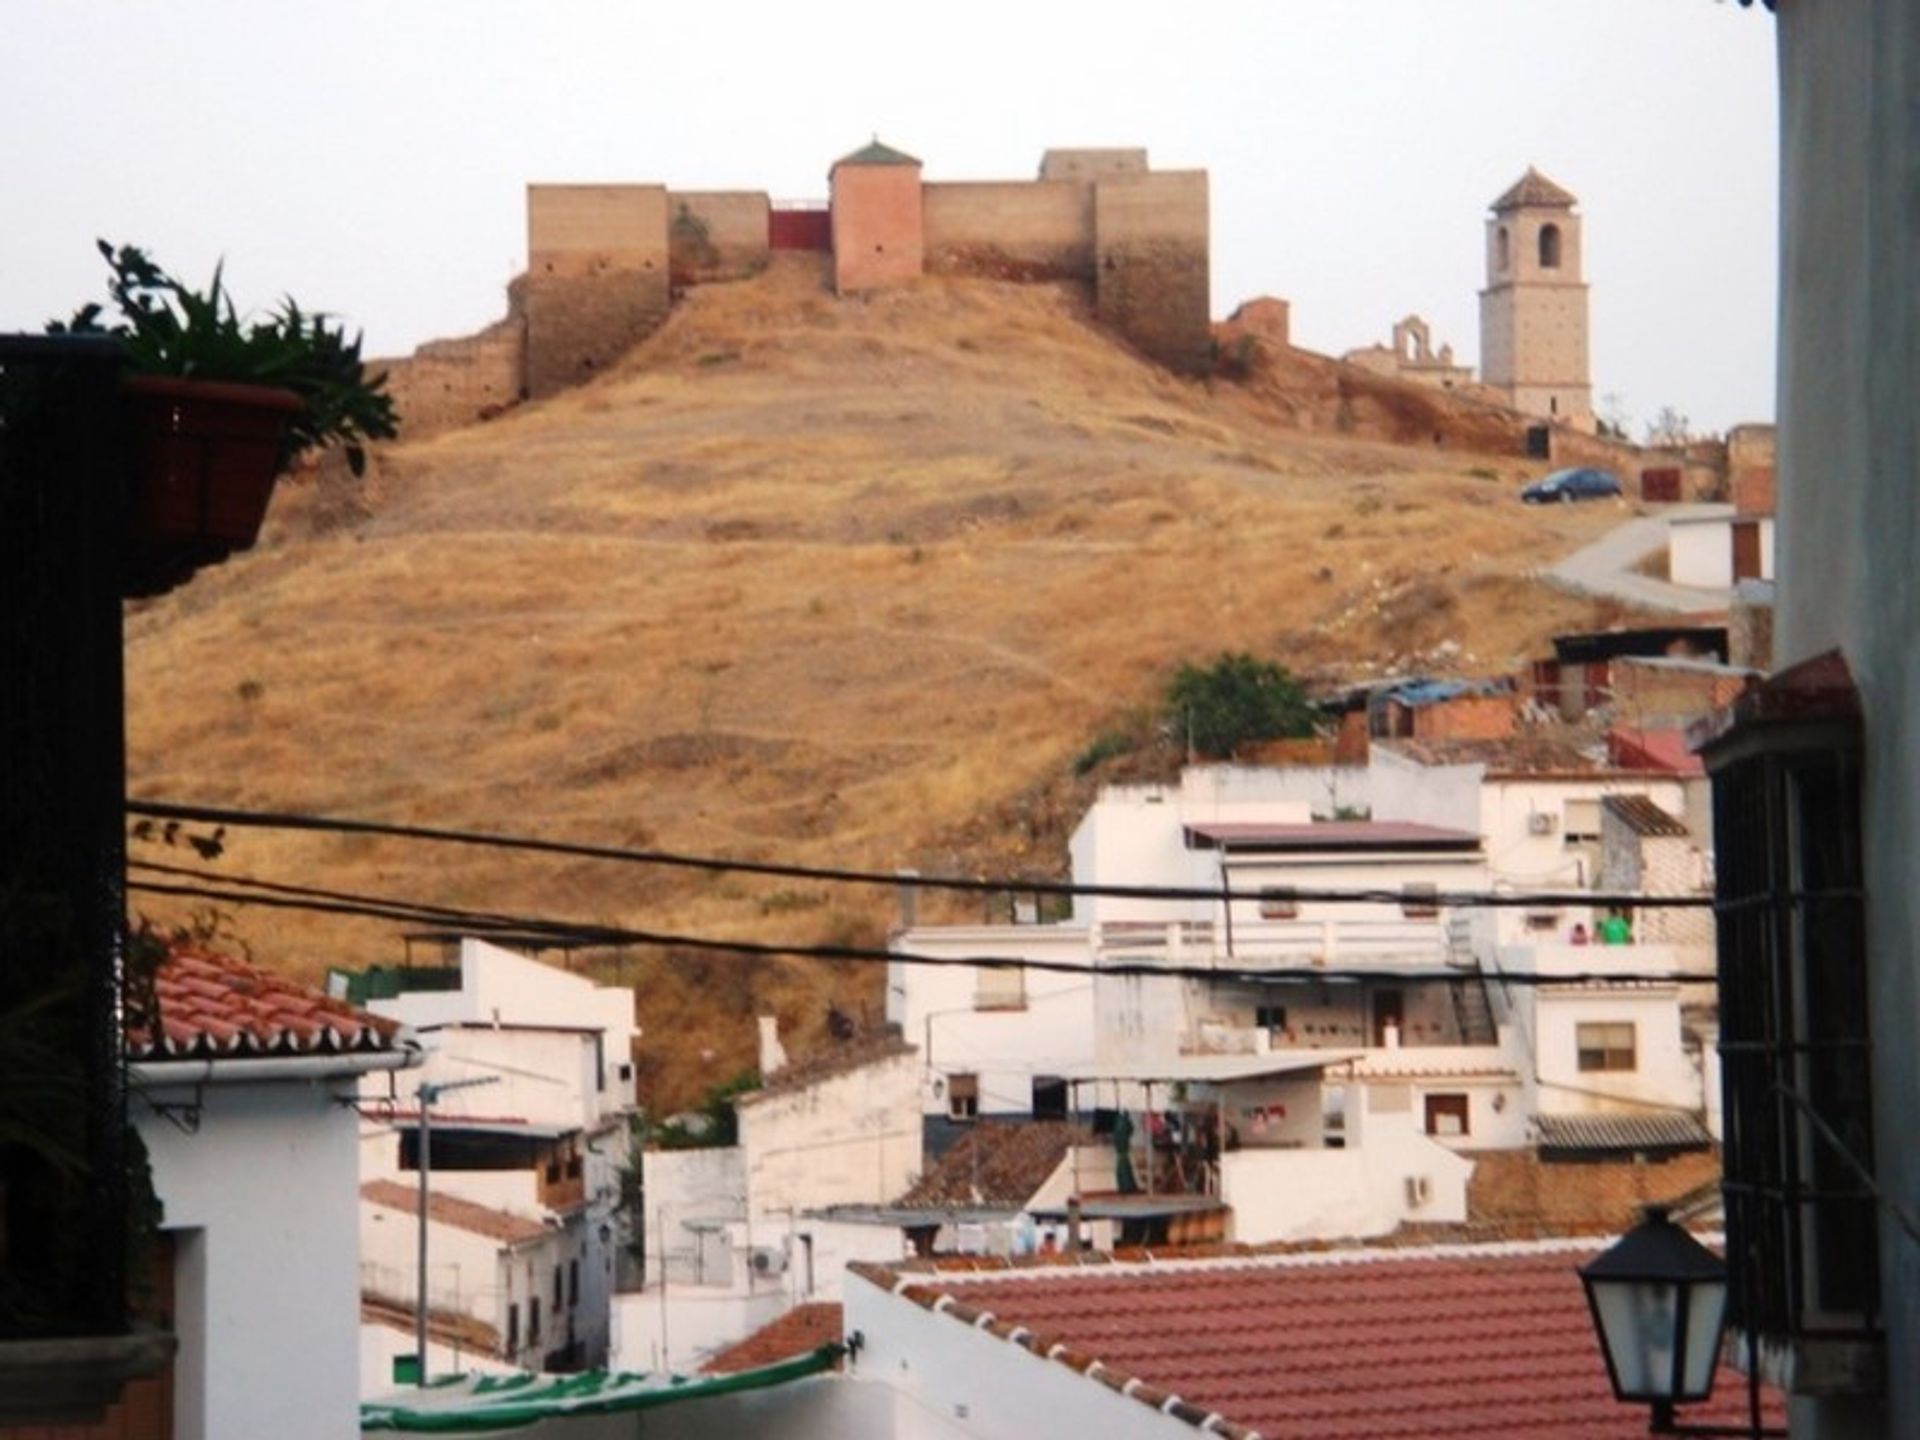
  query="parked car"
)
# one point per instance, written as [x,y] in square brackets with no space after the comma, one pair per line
[1580,484]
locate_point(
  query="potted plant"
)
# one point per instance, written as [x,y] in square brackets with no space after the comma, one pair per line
[218,407]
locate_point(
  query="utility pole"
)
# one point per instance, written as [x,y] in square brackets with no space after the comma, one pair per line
[425,1096]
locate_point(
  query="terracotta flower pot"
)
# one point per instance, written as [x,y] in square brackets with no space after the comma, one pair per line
[205,456]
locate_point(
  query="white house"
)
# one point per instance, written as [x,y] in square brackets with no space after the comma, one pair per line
[541,1139]
[243,1100]
[1711,550]
[738,1234]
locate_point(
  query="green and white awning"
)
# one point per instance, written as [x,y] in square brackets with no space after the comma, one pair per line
[474,1404]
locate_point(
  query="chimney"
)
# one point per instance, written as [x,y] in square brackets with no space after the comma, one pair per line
[909,898]
[773,1055]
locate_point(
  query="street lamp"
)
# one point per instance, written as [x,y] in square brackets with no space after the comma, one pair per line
[1659,1303]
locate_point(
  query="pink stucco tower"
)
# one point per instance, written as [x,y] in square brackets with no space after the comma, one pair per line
[878,229]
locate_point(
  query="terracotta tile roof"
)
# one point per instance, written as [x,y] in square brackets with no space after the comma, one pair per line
[838,1058]
[1643,817]
[801,1331]
[450,1210]
[1657,750]
[1443,1343]
[996,1164]
[213,1006]
[1541,755]
[1513,1193]
[1533,188]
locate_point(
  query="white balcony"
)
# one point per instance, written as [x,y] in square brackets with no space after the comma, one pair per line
[1387,947]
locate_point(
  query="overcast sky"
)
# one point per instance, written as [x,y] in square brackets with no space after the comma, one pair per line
[368,156]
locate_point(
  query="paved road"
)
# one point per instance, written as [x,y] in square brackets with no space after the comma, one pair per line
[1606,566]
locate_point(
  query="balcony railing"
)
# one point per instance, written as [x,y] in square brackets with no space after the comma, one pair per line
[1330,944]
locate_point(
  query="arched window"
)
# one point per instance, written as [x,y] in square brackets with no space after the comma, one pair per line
[1502,258]
[1549,247]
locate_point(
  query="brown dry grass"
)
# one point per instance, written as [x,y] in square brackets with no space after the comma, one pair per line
[844,582]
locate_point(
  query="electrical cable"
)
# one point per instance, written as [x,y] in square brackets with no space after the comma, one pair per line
[282,820]
[613,937]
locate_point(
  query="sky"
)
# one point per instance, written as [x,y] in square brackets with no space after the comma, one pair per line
[368,157]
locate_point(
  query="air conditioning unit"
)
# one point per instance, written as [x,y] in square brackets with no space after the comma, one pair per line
[1419,1191]
[1542,822]
[768,1259]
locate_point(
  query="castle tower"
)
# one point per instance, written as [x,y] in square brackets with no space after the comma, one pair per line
[1533,313]
[878,229]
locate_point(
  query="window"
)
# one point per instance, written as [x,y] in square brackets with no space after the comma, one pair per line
[513,1330]
[1279,902]
[1502,249]
[1000,987]
[1604,1046]
[1049,1097]
[963,1097]
[1549,247]
[533,1321]
[1581,821]
[559,1290]
[1420,900]
[1793,1013]
[1447,1115]
[1270,1017]
[573,1282]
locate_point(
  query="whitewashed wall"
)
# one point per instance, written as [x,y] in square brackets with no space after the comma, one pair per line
[853,1138]
[263,1200]
[953,1382]
[1355,1192]
[938,1009]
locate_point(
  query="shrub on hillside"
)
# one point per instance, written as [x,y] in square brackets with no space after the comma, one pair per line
[1236,701]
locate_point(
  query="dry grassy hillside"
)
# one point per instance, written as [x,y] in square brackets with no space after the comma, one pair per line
[845,582]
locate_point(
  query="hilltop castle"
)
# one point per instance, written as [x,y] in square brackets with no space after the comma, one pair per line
[604,261]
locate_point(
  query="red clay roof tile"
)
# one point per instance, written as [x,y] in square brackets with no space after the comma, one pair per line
[214,1005]
[801,1331]
[450,1210]
[1489,1342]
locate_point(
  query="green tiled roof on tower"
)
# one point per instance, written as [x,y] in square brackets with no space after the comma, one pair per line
[1533,188]
[874,153]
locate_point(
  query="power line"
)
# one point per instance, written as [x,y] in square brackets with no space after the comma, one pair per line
[272,895]
[283,820]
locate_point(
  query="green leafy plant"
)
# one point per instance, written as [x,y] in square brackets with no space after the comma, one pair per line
[169,328]
[1236,701]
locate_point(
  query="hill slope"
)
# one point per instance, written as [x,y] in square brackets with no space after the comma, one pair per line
[805,579]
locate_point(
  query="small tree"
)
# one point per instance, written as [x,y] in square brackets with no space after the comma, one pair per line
[1236,701]
[1669,429]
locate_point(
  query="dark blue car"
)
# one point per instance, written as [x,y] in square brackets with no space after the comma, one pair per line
[1572,485]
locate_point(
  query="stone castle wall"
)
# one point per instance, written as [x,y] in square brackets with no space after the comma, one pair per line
[1151,279]
[449,383]
[1010,230]
[603,262]
[716,235]
[598,278]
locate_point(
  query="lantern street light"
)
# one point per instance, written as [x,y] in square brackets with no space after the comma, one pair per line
[1659,1303]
